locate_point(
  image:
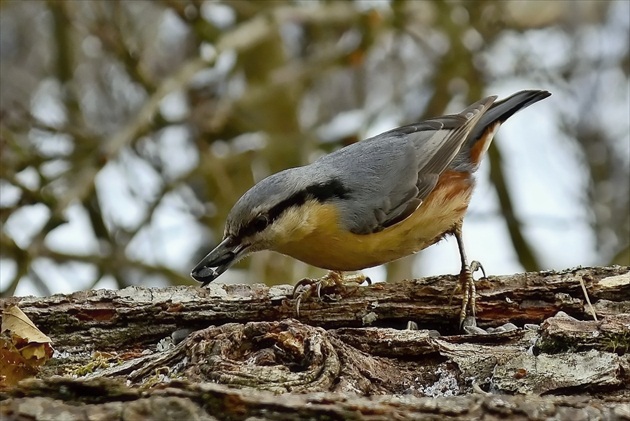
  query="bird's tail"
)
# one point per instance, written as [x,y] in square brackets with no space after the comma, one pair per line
[481,136]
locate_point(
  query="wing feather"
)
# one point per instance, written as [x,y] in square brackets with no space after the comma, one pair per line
[394,172]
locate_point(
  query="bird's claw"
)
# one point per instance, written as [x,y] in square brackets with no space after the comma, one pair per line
[475,266]
[469,300]
[330,280]
[311,283]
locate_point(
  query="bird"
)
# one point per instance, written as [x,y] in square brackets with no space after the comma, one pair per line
[371,202]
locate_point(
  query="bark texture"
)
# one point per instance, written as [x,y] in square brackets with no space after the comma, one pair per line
[236,352]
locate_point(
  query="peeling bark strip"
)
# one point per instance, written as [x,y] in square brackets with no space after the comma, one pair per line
[272,366]
[108,319]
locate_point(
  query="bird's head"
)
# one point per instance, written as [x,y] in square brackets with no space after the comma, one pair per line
[269,214]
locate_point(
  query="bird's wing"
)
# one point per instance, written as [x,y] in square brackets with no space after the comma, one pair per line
[394,172]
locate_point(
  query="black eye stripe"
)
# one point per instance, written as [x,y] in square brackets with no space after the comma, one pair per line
[320,192]
[258,224]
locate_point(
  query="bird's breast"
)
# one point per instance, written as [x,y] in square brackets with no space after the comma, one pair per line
[318,239]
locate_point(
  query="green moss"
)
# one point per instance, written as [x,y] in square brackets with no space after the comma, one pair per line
[99,361]
[555,346]
[618,343]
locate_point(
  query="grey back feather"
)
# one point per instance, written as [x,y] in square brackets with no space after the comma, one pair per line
[390,175]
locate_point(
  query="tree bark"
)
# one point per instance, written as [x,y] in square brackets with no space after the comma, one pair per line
[238,351]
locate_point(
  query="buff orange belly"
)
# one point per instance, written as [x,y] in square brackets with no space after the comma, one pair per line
[332,248]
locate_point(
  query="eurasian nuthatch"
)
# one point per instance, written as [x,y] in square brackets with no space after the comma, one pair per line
[371,202]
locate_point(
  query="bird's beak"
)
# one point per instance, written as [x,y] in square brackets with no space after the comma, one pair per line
[218,261]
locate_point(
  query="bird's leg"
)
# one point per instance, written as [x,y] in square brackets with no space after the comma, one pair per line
[333,279]
[467,283]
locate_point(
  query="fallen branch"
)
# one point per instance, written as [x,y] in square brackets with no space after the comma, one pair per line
[239,352]
[106,319]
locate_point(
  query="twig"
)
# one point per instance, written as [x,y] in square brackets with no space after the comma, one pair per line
[588,300]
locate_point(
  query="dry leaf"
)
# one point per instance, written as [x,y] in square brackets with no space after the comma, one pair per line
[18,324]
[36,354]
[23,347]
[13,366]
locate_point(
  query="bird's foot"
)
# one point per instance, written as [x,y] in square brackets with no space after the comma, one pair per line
[469,300]
[332,280]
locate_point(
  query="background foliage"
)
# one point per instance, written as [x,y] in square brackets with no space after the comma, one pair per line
[129,128]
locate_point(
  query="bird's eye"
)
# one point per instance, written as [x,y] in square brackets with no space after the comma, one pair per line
[260,222]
